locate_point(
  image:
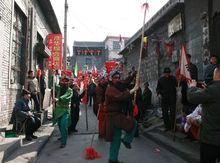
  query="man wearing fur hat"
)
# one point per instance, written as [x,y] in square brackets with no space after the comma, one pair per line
[61,113]
[115,120]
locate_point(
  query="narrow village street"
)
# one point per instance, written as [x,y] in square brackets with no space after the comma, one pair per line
[156,63]
[143,150]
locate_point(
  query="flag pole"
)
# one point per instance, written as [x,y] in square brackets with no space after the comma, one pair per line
[87,127]
[146,6]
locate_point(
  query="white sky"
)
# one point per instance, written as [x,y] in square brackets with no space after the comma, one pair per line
[93,20]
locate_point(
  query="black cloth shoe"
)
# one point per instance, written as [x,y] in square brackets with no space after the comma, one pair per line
[75,130]
[62,145]
[33,137]
[126,144]
[28,138]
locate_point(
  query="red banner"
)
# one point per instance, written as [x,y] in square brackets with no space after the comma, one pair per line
[67,73]
[110,65]
[54,43]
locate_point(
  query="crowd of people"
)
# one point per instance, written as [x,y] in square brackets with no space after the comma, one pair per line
[114,97]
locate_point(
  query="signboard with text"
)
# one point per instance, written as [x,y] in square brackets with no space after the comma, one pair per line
[88,51]
[54,43]
[175,25]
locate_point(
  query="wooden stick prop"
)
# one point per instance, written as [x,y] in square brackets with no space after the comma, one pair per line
[53,89]
[145,6]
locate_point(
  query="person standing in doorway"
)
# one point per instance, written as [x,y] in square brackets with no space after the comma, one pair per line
[43,86]
[33,87]
[146,97]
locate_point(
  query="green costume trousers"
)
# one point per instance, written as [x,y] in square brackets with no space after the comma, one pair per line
[63,127]
[116,142]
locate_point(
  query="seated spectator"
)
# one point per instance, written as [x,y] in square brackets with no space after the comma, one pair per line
[23,114]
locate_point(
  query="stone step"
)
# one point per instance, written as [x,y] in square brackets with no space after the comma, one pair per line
[189,151]
[8,146]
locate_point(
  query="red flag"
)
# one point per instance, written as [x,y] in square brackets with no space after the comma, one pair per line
[94,71]
[183,64]
[110,65]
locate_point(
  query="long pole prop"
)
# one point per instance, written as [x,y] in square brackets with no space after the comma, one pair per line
[87,127]
[65,35]
[145,5]
[53,89]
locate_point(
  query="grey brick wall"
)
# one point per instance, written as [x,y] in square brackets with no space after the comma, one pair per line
[7,95]
[193,31]
[192,35]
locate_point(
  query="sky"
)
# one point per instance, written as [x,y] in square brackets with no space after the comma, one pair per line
[93,20]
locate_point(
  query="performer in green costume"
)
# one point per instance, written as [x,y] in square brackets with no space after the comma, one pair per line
[61,114]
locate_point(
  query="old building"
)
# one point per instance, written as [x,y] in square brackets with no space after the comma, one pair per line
[89,54]
[96,53]
[176,23]
[24,26]
[114,45]
[160,39]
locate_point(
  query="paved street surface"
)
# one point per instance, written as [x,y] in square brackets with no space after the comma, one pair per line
[143,150]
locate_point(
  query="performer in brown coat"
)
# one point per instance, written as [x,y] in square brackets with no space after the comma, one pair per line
[115,121]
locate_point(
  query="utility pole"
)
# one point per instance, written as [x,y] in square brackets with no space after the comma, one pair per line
[65,35]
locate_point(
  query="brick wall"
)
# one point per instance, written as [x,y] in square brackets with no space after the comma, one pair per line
[7,96]
[193,31]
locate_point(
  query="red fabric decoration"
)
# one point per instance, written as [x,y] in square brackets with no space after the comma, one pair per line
[91,154]
[135,110]
[169,48]
[195,131]
[38,73]
[110,65]
[157,48]
[145,6]
[66,73]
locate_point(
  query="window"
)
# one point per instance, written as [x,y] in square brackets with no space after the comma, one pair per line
[18,44]
[116,45]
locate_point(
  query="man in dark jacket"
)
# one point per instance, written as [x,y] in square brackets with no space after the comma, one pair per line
[43,87]
[146,97]
[91,88]
[187,107]
[210,127]
[115,120]
[75,102]
[166,90]
[210,69]
[23,114]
